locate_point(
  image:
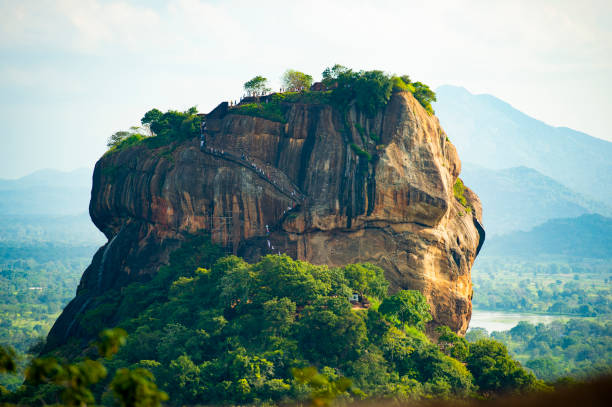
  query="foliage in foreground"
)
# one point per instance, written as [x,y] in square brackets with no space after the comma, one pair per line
[73,382]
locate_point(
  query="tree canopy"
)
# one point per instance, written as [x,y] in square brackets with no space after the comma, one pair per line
[173,124]
[371,90]
[293,80]
[222,331]
[257,86]
[408,306]
[495,371]
[424,95]
[330,75]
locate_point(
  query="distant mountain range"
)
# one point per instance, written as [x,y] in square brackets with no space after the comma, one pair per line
[48,206]
[520,198]
[587,236]
[47,192]
[490,133]
[79,178]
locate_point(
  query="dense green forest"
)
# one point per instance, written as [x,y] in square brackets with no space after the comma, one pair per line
[32,293]
[578,348]
[570,287]
[557,285]
[221,331]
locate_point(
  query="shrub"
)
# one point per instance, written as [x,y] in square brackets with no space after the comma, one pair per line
[400,85]
[407,306]
[360,152]
[367,279]
[495,371]
[306,96]
[270,111]
[360,129]
[166,127]
[370,90]
[458,191]
[124,139]
[330,75]
[424,95]
[173,124]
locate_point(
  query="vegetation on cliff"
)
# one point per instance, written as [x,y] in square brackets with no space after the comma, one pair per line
[459,193]
[159,129]
[371,90]
[341,86]
[257,86]
[295,80]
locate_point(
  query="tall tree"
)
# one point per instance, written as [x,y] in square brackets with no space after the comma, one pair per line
[330,75]
[495,371]
[407,306]
[296,80]
[257,86]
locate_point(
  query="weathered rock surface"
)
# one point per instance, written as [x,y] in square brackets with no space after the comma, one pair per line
[321,201]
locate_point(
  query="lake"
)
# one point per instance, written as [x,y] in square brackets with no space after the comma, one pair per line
[503,321]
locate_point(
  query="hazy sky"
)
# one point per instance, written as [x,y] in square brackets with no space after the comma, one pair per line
[72,72]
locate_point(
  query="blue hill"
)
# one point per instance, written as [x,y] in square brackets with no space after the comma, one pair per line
[491,133]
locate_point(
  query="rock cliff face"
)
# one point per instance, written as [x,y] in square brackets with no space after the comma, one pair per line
[324,187]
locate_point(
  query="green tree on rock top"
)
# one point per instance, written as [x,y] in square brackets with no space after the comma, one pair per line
[257,86]
[295,80]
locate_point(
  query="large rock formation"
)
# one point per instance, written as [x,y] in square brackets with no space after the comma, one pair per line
[326,187]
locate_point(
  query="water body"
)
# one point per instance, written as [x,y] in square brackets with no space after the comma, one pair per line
[503,321]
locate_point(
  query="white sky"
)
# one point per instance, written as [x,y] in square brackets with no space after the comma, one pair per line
[74,71]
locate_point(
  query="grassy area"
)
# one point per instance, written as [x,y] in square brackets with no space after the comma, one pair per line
[278,104]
